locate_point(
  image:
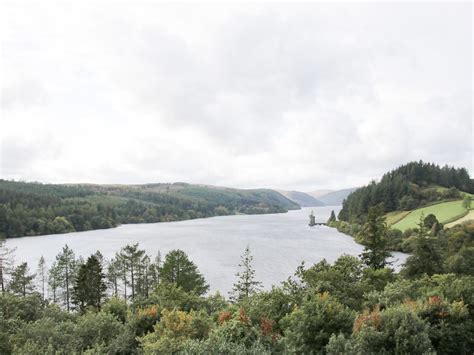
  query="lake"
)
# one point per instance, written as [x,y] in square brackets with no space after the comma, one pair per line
[278,242]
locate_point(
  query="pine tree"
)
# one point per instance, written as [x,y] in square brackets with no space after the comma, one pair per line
[426,257]
[246,284]
[21,281]
[374,238]
[182,272]
[89,286]
[54,281]
[42,275]
[6,263]
[155,270]
[131,258]
[113,275]
[66,264]
[332,218]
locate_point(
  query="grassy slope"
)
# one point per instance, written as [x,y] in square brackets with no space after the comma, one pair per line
[394,217]
[445,211]
[467,217]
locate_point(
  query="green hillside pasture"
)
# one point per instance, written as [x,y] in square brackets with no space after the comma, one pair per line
[393,217]
[467,217]
[444,212]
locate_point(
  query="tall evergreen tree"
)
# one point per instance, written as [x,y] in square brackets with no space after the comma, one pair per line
[54,282]
[374,238]
[66,264]
[42,276]
[425,257]
[155,270]
[182,272]
[246,284]
[21,282]
[89,286]
[131,259]
[6,263]
[113,276]
[332,218]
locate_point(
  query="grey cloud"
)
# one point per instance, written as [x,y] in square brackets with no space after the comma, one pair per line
[19,156]
[290,96]
[23,95]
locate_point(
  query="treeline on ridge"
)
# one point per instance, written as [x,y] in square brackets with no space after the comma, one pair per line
[28,209]
[407,187]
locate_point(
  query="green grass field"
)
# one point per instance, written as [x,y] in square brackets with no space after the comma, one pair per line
[393,217]
[468,217]
[445,211]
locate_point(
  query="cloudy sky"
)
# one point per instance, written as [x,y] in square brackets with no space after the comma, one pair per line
[288,96]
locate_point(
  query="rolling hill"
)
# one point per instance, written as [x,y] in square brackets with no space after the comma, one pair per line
[445,212]
[35,208]
[409,187]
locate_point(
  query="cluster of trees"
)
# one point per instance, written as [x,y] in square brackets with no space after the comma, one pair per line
[77,284]
[358,305]
[407,188]
[445,250]
[38,209]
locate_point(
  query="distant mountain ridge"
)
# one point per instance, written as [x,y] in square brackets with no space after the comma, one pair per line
[336,198]
[321,192]
[302,198]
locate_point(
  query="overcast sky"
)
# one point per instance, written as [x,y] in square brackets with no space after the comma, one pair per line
[301,97]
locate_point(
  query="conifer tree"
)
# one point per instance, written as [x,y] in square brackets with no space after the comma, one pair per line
[21,280]
[155,270]
[246,284]
[425,257]
[374,237]
[113,276]
[42,276]
[332,218]
[66,264]
[54,282]
[179,270]
[131,258]
[89,286]
[6,263]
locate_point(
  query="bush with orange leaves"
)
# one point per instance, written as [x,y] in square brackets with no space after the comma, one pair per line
[266,326]
[243,317]
[367,318]
[144,319]
[451,328]
[235,327]
[224,316]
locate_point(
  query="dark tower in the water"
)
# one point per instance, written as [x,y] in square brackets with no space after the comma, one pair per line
[312,221]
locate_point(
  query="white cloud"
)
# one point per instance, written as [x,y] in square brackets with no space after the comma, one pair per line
[290,96]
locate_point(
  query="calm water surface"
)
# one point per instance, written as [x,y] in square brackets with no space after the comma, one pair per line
[278,242]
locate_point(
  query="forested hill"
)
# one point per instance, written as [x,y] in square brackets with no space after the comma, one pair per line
[35,208]
[408,187]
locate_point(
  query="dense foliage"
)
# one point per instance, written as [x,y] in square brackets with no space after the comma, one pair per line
[407,187]
[36,209]
[137,304]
